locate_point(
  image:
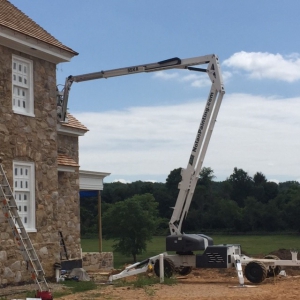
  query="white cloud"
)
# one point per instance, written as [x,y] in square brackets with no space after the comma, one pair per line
[266,65]
[122,180]
[193,79]
[197,80]
[254,133]
[274,180]
[165,75]
[226,75]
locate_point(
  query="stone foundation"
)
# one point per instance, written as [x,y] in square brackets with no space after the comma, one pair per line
[14,270]
[97,261]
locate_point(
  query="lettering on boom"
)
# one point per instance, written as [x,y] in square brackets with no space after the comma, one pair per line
[196,144]
[191,159]
[132,69]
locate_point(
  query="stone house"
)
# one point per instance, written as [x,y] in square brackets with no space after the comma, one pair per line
[39,153]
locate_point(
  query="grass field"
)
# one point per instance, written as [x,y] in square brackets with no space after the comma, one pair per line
[251,245]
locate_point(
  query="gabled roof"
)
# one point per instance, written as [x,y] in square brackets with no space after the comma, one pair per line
[12,18]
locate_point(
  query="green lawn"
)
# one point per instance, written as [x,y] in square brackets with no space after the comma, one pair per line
[251,245]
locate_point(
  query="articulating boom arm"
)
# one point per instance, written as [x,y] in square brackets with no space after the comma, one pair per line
[173,63]
[190,175]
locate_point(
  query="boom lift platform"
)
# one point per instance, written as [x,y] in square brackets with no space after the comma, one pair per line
[184,245]
[10,211]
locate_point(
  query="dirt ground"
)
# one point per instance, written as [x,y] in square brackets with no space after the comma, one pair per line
[203,284]
[200,284]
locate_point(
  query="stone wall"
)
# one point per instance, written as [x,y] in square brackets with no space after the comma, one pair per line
[69,212]
[69,205]
[35,139]
[68,145]
[97,261]
[31,139]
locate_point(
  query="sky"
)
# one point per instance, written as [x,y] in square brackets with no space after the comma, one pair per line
[143,126]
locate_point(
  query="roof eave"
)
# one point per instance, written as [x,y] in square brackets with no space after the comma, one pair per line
[69,169]
[34,47]
[70,130]
[90,180]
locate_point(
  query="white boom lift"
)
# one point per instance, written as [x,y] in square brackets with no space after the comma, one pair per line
[214,256]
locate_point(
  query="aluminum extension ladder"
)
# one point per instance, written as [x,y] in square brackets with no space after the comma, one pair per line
[10,211]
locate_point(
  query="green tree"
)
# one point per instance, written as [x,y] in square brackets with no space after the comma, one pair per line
[203,199]
[259,178]
[131,223]
[271,190]
[206,176]
[114,192]
[88,216]
[292,207]
[164,199]
[253,213]
[225,214]
[272,219]
[242,186]
[258,189]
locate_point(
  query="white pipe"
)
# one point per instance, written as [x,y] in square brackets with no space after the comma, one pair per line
[161,268]
[57,274]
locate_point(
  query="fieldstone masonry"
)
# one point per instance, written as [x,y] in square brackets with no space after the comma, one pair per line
[30,139]
[35,139]
[92,261]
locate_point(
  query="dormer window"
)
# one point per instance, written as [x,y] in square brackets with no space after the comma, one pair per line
[22,86]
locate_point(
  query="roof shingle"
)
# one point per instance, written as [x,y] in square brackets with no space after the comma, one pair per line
[64,160]
[14,19]
[74,123]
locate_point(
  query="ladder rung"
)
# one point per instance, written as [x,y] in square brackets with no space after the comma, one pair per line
[43,281]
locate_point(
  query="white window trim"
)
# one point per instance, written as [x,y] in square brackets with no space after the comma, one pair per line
[30,112]
[31,165]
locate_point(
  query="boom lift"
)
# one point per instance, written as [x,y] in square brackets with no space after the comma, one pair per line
[184,245]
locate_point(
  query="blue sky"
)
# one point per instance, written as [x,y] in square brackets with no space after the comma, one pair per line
[143,126]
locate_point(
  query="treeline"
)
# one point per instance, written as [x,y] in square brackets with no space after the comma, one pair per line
[241,203]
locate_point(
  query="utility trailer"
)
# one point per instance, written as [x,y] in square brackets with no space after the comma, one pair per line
[185,245]
[214,257]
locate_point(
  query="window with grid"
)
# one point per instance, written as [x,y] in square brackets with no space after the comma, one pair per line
[22,90]
[24,193]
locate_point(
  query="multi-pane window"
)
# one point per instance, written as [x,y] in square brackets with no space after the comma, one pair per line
[24,193]
[22,98]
